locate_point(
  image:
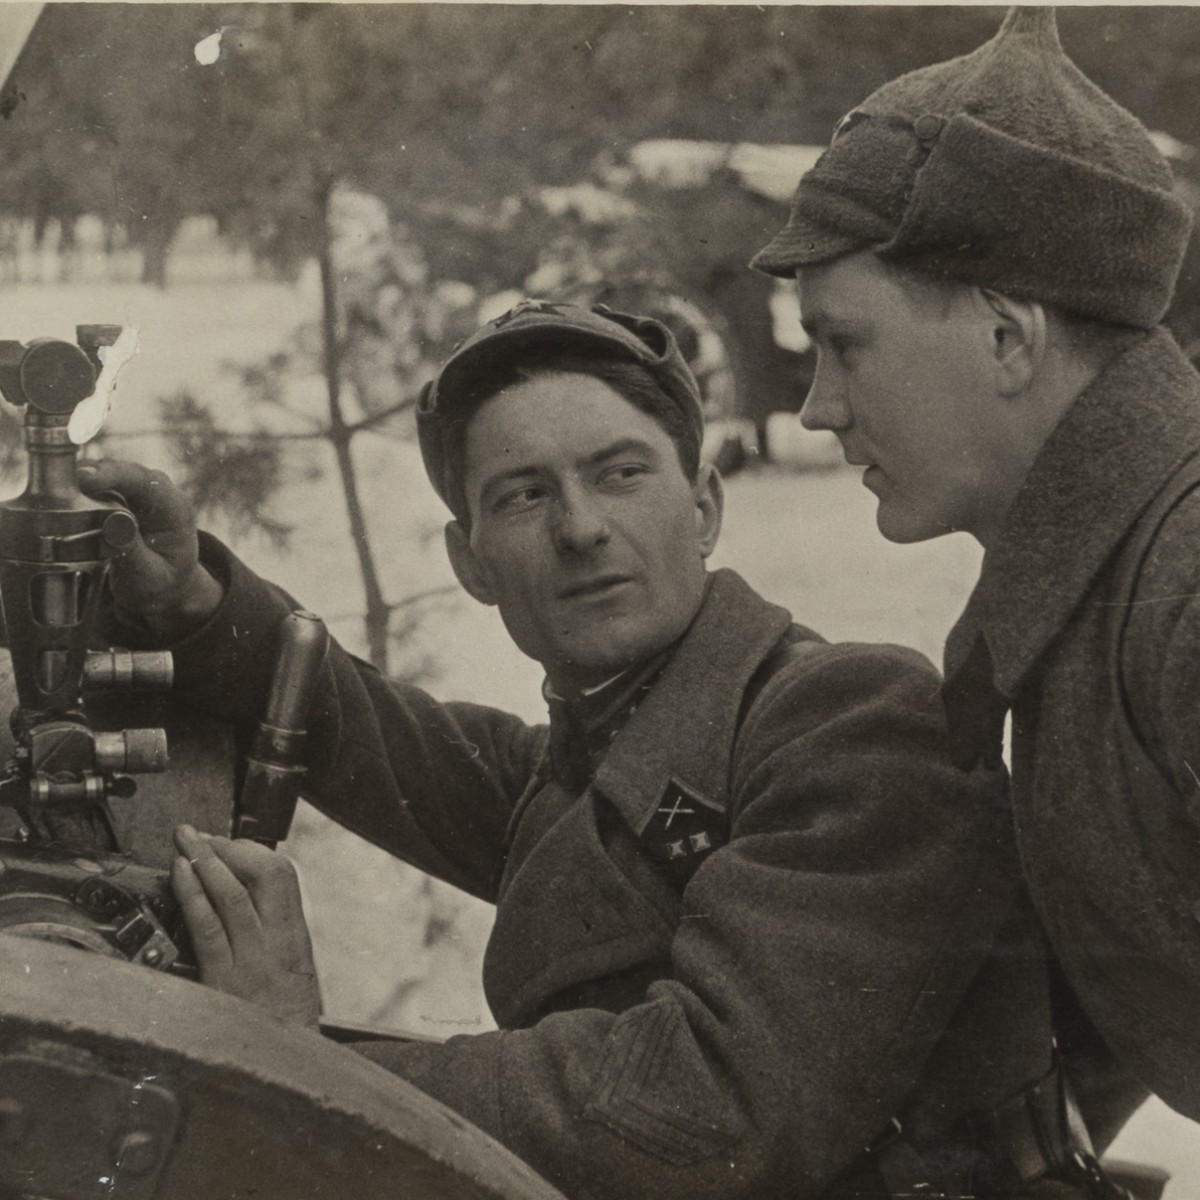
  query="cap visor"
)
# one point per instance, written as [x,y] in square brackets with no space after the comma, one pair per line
[804,244]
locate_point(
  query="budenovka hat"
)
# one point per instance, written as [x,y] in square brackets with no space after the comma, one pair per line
[536,329]
[1007,168]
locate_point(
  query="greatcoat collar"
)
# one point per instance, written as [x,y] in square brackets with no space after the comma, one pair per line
[1098,471]
[684,729]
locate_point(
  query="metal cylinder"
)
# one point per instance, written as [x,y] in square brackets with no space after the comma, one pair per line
[274,768]
[119,530]
[138,751]
[303,644]
[87,789]
[129,670]
[51,465]
[57,598]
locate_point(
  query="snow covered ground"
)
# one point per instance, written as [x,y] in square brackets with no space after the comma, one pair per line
[392,947]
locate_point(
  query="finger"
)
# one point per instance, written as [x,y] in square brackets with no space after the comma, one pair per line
[152,565]
[189,841]
[150,495]
[103,474]
[207,933]
[145,561]
[274,887]
[227,895]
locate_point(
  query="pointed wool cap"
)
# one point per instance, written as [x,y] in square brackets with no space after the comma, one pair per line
[1006,168]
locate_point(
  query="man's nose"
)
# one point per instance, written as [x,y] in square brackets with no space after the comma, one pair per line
[581,521]
[825,406]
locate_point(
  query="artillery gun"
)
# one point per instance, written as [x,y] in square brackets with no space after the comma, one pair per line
[120,1076]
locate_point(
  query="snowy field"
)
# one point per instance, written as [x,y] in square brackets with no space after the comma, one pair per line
[392,947]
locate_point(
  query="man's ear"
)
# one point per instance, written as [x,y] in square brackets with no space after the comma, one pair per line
[467,568]
[1018,338]
[710,507]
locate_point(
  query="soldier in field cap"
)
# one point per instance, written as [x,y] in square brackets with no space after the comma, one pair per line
[756,935]
[984,255]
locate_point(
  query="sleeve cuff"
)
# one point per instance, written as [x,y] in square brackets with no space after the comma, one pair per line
[462,1073]
[225,666]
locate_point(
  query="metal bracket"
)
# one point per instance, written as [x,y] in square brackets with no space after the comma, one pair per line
[137,933]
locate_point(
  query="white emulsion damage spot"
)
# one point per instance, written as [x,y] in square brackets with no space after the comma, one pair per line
[208,49]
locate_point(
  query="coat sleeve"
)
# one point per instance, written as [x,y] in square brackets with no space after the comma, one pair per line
[819,956]
[434,784]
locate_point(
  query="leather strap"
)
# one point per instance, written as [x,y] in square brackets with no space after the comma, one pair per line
[1038,1137]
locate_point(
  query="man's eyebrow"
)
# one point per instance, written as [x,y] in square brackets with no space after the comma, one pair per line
[506,476]
[628,445]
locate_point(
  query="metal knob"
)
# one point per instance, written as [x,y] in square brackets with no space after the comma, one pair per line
[129,670]
[55,376]
[138,751]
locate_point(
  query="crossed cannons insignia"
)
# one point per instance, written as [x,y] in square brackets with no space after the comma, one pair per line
[684,829]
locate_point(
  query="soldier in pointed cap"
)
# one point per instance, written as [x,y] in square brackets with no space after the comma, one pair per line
[984,255]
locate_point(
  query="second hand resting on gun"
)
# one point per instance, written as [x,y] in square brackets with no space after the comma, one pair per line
[240,899]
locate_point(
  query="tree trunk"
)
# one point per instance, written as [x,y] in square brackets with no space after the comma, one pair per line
[375,620]
[154,264]
[157,234]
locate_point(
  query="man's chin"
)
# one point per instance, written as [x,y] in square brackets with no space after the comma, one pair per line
[903,528]
[587,667]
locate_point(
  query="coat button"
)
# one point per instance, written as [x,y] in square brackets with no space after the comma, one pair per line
[927,127]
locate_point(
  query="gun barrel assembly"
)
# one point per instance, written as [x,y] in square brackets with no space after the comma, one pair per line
[64,873]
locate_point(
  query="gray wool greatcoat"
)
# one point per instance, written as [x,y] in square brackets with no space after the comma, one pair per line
[1089,606]
[852,943]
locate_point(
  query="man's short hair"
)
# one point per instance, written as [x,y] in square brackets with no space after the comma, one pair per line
[1094,340]
[636,356]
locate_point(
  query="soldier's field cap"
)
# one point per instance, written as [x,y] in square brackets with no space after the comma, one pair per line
[533,331]
[1007,168]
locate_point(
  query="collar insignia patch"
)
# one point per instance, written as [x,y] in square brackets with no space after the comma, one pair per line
[683,830]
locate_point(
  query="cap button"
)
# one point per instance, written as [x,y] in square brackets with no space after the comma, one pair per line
[928,127]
